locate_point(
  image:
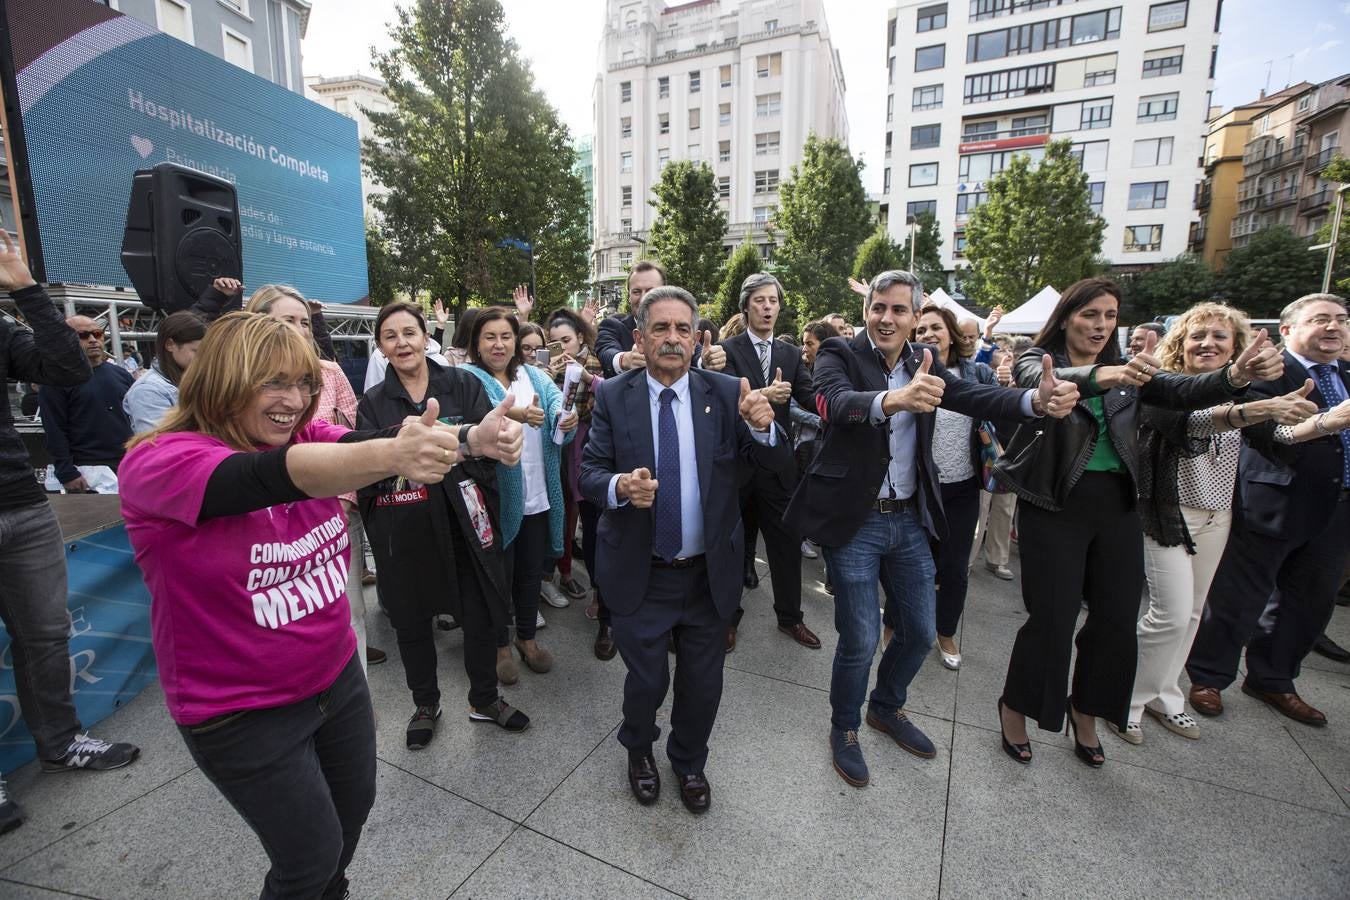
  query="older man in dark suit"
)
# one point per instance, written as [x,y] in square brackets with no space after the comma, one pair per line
[1275,588]
[662,460]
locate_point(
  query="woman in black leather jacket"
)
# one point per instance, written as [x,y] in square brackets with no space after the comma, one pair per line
[1079,529]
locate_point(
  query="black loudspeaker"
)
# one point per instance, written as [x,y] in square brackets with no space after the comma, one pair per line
[182,233]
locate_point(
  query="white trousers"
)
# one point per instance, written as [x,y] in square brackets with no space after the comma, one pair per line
[994,528]
[1177,586]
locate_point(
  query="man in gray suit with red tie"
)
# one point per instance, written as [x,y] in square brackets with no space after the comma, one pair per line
[662,460]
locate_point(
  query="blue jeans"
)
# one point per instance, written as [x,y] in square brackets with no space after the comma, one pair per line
[893,545]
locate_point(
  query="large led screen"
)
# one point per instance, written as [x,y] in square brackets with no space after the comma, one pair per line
[102,95]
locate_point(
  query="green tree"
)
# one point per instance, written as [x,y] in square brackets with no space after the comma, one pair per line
[470,153]
[1168,289]
[822,217]
[1273,268]
[743,262]
[927,238]
[1036,228]
[877,254]
[687,234]
[380,265]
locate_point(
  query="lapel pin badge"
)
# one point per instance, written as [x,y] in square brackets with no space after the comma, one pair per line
[707,409]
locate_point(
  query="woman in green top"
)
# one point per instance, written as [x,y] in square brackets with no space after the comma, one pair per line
[1079,531]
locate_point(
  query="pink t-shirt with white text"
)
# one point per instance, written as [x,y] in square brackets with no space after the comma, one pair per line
[247,611]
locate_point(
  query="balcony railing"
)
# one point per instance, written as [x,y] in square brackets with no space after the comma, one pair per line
[1197,239]
[1278,161]
[1318,202]
[1279,197]
[1203,196]
[1242,228]
[1318,161]
[1004,135]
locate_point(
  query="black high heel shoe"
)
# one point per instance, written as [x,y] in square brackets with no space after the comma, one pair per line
[1092,756]
[1016,751]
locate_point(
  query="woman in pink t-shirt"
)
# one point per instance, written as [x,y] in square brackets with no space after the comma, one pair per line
[247,570]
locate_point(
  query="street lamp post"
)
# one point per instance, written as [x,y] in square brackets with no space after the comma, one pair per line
[1335,235]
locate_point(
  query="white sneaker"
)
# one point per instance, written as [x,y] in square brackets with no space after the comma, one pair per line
[808,551]
[997,571]
[539,621]
[550,594]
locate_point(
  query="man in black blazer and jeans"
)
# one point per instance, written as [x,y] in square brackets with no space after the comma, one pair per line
[871,499]
[1275,588]
[755,355]
[662,461]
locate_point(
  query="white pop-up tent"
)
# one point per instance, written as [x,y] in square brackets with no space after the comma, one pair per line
[1031,316]
[943,299]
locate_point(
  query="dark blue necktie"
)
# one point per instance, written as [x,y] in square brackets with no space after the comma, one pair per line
[1328,385]
[669,527]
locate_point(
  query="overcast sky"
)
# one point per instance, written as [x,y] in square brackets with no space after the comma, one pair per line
[560,38]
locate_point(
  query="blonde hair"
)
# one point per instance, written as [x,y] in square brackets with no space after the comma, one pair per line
[265,297]
[731,327]
[241,352]
[1171,352]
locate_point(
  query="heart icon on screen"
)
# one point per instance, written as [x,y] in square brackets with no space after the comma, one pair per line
[144,146]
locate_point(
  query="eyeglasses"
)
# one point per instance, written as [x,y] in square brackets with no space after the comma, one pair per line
[277,388]
[1323,321]
[97,334]
[528,350]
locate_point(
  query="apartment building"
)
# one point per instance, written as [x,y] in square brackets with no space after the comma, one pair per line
[262,36]
[971,83]
[1289,145]
[353,96]
[738,85]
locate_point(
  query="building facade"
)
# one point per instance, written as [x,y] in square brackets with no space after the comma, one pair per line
[262,36]
[353,96]
[973,82]
[738,85]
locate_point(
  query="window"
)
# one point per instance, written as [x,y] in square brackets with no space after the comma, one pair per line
[625,162]
[932,18]
[626,195]
[625,258]
[767,105]
[626,224]
[886,180]
[762,214]
[1148,195]
[1157,108]
[890,70]
[1096,114]
[916,208]
[980,166]
[973,131]
[990,9]
[174,18]
[1163,16]
[663,123]
[770,24]
[766,181]
[724,114]
[890,108]
[1152,152]
[1143,238]
[966,203]
[695,82]
[724,76]
[1099,77]
[695,119]
[1158,63]
[1026,125]
[238,49]
[889,137]
[724,151]
[927,97]
[1096,26]
[662,157]
[770,65]
[724,187]
[890,33]
[926,58]
[694,151]
[766,253]
[1307,101]
[922,136]
[1091,155]
[1009,83]
[923,174]
[626,127]
[1036,37]
[766,143]
[663,87]
[959,245]
[1096,193]
[625,92]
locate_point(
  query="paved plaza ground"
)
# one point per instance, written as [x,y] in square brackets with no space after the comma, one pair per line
[1259,807]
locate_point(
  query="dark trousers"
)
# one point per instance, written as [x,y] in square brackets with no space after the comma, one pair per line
[417,648]
[764,497]
[1093,551]
[1273,596]
[590,523]
[527,561]
[961,503]
[676,599]
[303,778]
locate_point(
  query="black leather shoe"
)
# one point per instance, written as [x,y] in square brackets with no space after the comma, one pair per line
[1331,650]
[695,792]
[644,780]
[751,576]
[604,643]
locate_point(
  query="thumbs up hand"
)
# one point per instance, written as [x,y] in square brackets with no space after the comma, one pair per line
[1259,362]
[1054,398]
[423,451]
[778,390]
[923,394]
[534,413]
[498,436]
[1289,409]
[755,408]
[637,487]
[714,357]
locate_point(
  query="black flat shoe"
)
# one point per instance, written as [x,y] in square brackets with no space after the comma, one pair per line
[643,779]
[1092,756]
[1019,752]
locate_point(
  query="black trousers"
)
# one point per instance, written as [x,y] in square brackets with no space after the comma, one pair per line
[417,648]
[1273,596]
[590,523]
[961,503]
[677,599]
[1093,551]
[527,560]
[764,498]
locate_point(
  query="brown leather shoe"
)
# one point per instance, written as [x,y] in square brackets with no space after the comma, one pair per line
[1206,700]
[802,635]
[1289,704]
[695,792]
[731,638]
[643,779]
[604,643]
